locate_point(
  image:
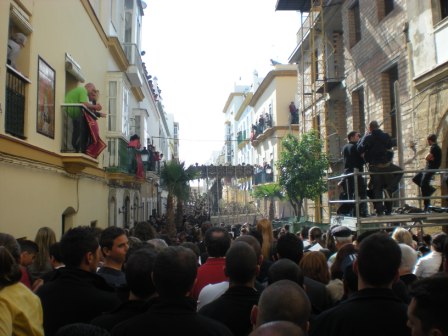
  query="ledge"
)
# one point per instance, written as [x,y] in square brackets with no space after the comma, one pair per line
[118,53]
[76,163]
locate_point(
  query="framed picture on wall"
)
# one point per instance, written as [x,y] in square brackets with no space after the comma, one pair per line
[45,99]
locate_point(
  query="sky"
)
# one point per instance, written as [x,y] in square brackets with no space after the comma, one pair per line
[200,49]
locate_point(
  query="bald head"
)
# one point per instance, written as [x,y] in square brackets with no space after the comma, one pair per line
[285,269]
[284,300]
[278,328]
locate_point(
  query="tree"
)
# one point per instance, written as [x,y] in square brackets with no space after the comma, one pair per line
[302,167]
[175,178]
[271,191]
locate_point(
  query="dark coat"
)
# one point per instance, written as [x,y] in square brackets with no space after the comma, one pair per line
[375,146]
[170,317]
[352,158]
[437,154]
[369,312]
[318,294]
[233,309]
[74,296]
[124,312]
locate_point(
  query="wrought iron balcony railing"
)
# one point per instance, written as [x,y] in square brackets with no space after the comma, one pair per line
[15,103]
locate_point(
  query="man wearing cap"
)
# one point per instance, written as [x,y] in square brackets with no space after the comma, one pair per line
[342,235]
[15,43]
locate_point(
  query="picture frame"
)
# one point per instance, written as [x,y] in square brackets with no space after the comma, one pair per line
[45,119]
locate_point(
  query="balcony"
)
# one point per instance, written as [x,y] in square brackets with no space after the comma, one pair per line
[80,141]
[15,103]
[262,130]
[122,165]
[135,71]
[263,175]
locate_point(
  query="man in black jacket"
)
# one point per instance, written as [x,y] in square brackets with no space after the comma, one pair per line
[433,161]
[291,247]
[374,309]
[233,308]
[376,149]
[76,293]
[174,311]
[352,161]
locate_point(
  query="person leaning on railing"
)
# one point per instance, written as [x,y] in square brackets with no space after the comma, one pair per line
[433,161]
[81,95]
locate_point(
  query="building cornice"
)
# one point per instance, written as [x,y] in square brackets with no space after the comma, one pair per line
[243,105]
[230,98]
[268,79]
[92,15]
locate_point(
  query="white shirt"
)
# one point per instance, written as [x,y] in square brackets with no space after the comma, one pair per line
[13,52]
[428,265]
[211,292]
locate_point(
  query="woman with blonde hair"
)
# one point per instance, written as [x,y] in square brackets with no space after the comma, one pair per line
[45,237]
[403,236]
[264,226]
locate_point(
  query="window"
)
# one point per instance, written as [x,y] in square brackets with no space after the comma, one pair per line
[389,77]
[354,21]
[114,14]
[384,8]
[137,125]
[125,117]
[112,116]
[388,6]
[15,104]
[443,8]
[359,122]
[17,65]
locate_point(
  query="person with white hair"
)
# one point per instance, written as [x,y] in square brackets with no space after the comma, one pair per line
[15,43]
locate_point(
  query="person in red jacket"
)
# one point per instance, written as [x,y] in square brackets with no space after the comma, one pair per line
[217,242]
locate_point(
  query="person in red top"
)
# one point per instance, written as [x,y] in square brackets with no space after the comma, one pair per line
[217,242]
[136,163]
[28,251]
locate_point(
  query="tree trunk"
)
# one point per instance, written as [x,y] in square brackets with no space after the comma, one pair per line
[294,207]
[271,210]
[179,219]
[170,225]
[299,210]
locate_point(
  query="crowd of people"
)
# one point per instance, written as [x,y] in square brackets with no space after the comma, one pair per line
[224,280]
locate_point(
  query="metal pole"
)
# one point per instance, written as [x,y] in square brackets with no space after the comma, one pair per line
[401,193]
[355,180]
[217,194]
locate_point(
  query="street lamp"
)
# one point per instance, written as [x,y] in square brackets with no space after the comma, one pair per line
[145,158]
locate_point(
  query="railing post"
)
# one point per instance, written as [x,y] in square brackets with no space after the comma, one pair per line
[356,187]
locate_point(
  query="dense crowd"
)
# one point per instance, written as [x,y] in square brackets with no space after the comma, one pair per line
[224,280]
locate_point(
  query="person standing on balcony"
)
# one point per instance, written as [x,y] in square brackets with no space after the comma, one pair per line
[376,149]
[15,44]
[433,161]
[81,95]
[294,112]
[135,158]
[352,161]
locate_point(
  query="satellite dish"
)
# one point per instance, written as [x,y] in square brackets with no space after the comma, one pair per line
[144,5]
